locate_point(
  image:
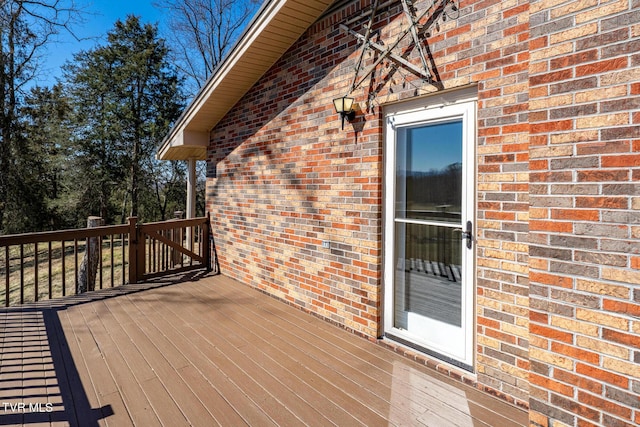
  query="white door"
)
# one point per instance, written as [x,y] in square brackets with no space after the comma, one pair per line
[429,229]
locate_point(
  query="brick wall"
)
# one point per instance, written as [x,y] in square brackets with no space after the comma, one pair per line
[585,167]
[284,178]
[557,191]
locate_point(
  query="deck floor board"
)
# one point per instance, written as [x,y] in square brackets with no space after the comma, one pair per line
[215,352]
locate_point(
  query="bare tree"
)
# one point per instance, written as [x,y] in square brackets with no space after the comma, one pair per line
[202,31]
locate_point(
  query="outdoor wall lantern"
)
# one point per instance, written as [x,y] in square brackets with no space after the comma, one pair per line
[344,107]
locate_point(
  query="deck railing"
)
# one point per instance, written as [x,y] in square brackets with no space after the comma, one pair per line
[37,266]
[170,247]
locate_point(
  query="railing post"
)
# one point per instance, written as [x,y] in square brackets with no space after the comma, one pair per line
[133,250]
[90,261]
[141,254]
[206,241]
[176,236]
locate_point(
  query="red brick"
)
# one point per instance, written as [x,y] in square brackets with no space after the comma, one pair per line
[621,307]
[539,116]
[458,47]
[553,126]
[576,58]
[576,214]
[602,202]
[632,160]
[458,64]
[555,226]
[458,30]
[602,147]
[576,353]
[600,175]
[500,336]
[551,333]
[538,43]
[515,11]
[551,77]
[605,405]
[601,67]
[551,279]
[519,128]
[585,423]
[549,384]
[602,375]
[620,337]
[537,317]
[488,322]
[542,164]
[501,215]
[578,381]
[521,28]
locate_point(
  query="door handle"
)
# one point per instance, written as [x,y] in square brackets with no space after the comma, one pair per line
[468,234]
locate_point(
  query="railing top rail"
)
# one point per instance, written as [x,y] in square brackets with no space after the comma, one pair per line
[173,223]
[60,235]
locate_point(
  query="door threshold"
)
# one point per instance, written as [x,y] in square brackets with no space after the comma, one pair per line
[441,357]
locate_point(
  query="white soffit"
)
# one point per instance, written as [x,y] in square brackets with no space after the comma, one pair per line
[276,26]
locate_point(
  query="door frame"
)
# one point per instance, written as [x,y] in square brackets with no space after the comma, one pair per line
[462,103]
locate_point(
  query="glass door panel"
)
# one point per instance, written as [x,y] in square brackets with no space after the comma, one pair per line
[428,273]
[429,172]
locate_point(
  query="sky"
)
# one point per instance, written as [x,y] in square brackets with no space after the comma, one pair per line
[100,17]
[434,146]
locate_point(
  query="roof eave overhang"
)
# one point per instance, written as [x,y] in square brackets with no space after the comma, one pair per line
[276,26]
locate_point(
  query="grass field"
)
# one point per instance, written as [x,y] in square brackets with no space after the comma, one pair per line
[56,271]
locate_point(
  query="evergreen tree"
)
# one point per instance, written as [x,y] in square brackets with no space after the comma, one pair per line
[46,121]
[25,28]
[125,96]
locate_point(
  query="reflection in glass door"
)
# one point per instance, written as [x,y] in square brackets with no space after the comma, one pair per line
[429,221]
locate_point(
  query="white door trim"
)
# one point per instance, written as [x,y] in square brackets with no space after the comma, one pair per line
[418,112]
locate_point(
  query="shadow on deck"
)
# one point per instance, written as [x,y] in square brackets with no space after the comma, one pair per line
[211,351]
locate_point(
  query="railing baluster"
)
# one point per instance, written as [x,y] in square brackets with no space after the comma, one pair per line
[87,256]
[182,241]
[202,244]
[161,253]
[75,254]
[112,260]
[21,274]
[64,267]
[156,255]
[165,253]
[155,266]
[124,275]
[7,272]
[192,247]
[200,240]
[148,250]
[100,258]
[50,271]
[35,268]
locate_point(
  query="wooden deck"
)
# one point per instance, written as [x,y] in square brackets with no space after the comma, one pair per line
[214,352]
